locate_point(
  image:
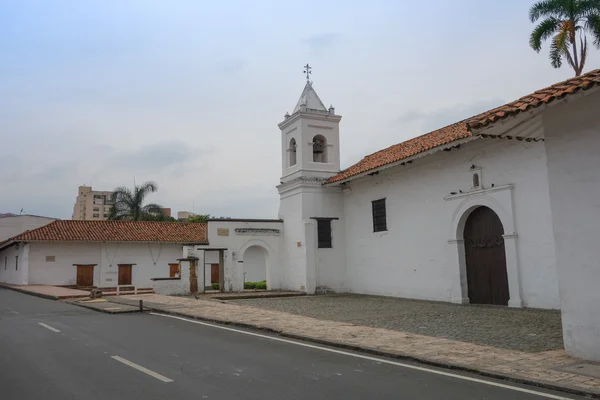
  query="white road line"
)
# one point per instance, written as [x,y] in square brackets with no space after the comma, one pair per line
[379,360]
[144,370]
[12,311]
[48,327]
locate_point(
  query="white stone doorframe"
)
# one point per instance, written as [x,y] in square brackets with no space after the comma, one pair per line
[268,258]
[498,199]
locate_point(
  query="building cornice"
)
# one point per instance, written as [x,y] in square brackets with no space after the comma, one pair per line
[309,115]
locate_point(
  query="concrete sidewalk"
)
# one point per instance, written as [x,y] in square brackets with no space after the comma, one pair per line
[545,369]
[48,292]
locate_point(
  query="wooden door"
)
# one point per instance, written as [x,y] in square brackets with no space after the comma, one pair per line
[85,275]
[125,274]
[486,258]
[214,273]
[174,271]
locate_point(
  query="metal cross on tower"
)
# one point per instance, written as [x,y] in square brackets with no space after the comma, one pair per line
[307,71]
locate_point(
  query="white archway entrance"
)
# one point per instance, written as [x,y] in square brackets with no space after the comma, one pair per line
[499,201]
[255,264]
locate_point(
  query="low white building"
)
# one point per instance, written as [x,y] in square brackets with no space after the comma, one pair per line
[11,224]
[97,253]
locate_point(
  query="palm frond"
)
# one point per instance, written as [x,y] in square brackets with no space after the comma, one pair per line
[592,25]
[542,32]
[153,208]
[556,53]
[546,8]
[583,41]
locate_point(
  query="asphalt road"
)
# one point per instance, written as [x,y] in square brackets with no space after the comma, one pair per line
[53,350]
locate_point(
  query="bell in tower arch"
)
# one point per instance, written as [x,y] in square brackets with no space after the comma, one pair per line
[319,149]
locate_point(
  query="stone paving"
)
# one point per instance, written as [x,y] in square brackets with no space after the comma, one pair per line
[526,330]
[533,368]
[47,291]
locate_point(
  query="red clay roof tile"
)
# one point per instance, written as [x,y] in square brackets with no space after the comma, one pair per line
[461,130]
[117,231]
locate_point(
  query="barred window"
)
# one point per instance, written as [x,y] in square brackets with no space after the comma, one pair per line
[379,216]
[324,233]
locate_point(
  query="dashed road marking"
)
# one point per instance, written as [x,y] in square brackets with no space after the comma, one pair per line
[48,327]
[144,370]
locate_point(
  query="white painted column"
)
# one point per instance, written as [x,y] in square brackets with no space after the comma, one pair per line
[310,233]
[456,253]
[24,261]
[512,270]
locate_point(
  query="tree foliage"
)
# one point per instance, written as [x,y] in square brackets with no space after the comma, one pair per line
[203,218]
[565,23]
[129,205]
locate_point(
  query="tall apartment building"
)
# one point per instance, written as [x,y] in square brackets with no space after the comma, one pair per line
[91,204]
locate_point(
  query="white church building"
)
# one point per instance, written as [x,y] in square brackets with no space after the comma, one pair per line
[502,208]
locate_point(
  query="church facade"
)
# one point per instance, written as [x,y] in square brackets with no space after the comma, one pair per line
[460,214]
[502,208]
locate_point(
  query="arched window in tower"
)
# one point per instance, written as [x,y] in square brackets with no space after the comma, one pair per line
[319,149]
[292,152]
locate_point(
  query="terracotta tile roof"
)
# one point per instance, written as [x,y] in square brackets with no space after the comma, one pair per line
[536,99]
[462,129]
[405,150]
[117,231]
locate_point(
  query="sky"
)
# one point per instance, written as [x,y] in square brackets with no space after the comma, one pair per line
[188,93]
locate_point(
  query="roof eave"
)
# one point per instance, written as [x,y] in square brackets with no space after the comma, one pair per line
[404,160]
[479,128]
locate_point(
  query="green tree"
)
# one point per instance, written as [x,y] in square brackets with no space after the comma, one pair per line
[565,23]
[129,205]
[203,218]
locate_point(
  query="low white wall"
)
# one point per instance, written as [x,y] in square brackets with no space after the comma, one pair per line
[10,272]
[61,271]
[222,234]
[573,145]
[150,261]
[171,286]
[12,226]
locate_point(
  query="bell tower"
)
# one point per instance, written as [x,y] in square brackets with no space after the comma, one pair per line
[313,240]
[310,137]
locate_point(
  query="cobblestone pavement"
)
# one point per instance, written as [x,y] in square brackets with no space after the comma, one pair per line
[526,330]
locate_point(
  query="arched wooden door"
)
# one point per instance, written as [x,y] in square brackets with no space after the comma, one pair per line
[486,258]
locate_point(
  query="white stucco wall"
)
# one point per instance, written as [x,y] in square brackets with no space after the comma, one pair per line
[414,258]
[62,271]
[255,264]
[143,255]
[235,243]
[9,271]
[573,154]
[12,226]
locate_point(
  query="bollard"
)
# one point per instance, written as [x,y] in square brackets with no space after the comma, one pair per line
[141,305]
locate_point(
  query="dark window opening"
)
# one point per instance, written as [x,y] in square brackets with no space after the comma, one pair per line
[16,263]
[475,180]
[324,233]
[379,216]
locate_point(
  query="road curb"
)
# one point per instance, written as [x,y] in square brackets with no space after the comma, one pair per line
[102,310]
[42,295]
[341,345]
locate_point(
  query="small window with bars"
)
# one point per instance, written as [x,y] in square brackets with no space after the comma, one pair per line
[379,216]
[324,233]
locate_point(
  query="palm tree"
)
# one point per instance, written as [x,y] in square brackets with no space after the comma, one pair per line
[128,205]
[566,21]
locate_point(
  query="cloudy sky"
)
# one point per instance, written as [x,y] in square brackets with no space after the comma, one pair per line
[188,93]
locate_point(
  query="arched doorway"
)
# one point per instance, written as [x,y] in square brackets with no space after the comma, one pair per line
[487,279]
[255,264]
